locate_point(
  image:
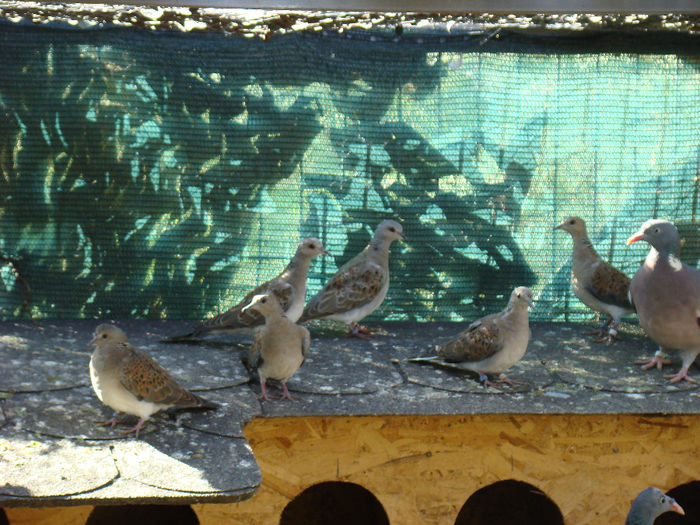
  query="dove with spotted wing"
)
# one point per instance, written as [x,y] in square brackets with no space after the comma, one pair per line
[360,285]
[289,287]
[492,344]
[597,284]
[129,381]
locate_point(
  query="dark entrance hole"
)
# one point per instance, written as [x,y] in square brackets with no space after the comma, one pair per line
[151,514]
[688,497]
[334,502]
[3,518]
[508,502]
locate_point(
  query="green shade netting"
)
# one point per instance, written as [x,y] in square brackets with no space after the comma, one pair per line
[162,175]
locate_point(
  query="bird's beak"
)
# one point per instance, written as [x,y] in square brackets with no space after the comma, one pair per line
[403,237]
[93,342]
[677,508]
[636,237]
[325,252]
[248,306]
[559,226]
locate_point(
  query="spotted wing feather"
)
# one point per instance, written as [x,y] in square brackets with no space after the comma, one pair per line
[609,285]
[149,381]
[479,341]
[350,288]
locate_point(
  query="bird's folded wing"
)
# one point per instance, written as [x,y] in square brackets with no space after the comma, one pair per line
[255,350]
[352,287]
[610,286]
[149,381]
[480,341]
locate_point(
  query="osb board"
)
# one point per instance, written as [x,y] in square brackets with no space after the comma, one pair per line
[50,516]
[423,469]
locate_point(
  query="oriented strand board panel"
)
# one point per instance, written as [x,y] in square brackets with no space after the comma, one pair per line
[423,468]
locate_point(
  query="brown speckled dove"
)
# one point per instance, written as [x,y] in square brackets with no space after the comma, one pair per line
[666,294]
[492,344]
[649,505]
[279,347]
[289,287]
[596,283]
[360,285]
[128,380]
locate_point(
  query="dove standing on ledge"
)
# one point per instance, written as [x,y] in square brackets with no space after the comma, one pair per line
[596,283]
[289,287]
[649,505]
[127,380]
[492,344]
[666,294]
[279,347]
[359,286]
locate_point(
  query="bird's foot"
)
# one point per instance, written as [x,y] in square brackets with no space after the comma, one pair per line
[658,361]
[508,381]
[135,429]
[112,422]
[286,394]
[609,338]
[359,331]
[680,376]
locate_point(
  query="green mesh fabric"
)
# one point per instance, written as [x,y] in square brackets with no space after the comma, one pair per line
[162,175]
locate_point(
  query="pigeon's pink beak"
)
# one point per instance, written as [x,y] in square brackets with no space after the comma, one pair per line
[636,237]
[677,508]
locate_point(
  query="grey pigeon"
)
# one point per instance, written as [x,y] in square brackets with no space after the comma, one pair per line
[598,285]
[492,344]
[129,381]
[650,504]
[279,347]
[359,286]
[289,287]
[666,295]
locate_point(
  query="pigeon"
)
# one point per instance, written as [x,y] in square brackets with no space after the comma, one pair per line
[359,286]
[492,344]
[279,347]
[666,295]
[289,287]
[596,283]
[129,381]
[650,504]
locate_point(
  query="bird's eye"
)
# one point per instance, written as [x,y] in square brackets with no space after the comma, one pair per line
[656,230]
[572,221]
[263,300]
[663,500]
[517,295]
[392,229]
[312,246]
[104,336]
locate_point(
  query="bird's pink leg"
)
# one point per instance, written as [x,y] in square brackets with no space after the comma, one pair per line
[612,334]
[135,429]
[681,375]
[359,331]
[286,394]
[659,360]
[111,422]
[265,395]
[508,381]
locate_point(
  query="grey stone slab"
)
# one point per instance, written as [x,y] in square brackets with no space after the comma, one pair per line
[76,413]
[34,362]
[188,461]
[238,405]
[572,356]
[339,365]
[44,468]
